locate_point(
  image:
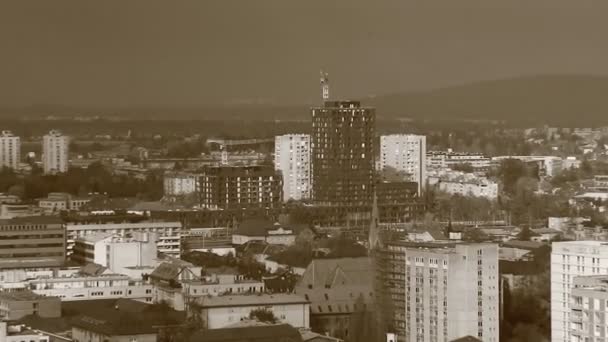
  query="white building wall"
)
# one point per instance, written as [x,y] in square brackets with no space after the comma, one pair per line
[405,152]
[292,158]
[55,152]
[296,315]
[445,290]
[568,260]
[10,150]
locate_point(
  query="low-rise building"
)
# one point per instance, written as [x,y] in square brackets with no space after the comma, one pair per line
[17,304]
[180,183]
[169,233]
[449,158]
[116,252]
[222,311]
[260,229]
[60,201]
[21,333]
[465,184]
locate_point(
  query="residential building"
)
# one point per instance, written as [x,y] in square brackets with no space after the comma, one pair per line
[167,279]
[261,229]
[547,165]
[218,284]
[17,304]
[168,233]
[449,159]
[292,158]
[217,240]
[221,311]
[405,153]
[334,288]
[10,150]
[440,291]
[237,187]
[588,308]
[60,201]
[32,242]
[180,183]
[569,260]
[55,152]
[465,184]
[342,151]
[116,252]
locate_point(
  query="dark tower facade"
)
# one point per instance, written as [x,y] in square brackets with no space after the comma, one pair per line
[342,148]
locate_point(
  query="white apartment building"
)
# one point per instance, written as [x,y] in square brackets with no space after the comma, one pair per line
[180,183]
[10,150]
[292,158]
[117,252]
[569,260]
[457,182]
[407,153]
[448,291]
[168,233]
[589,304]
[55,152]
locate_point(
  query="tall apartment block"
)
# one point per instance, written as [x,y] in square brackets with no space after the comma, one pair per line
[10,150]
[342,150]
[406,153]
[440,292]
[569,260]
[238,187]
[55,152]
[292,158]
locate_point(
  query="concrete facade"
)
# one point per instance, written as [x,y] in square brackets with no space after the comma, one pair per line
[55,152]
[292,158]
[407,153]
[10,150]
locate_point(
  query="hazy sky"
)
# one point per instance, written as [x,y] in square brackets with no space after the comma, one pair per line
[189,53]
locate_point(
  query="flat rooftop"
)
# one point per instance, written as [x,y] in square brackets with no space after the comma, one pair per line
[25,295]
[251,300]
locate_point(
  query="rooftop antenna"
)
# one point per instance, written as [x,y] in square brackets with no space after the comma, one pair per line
[325,85]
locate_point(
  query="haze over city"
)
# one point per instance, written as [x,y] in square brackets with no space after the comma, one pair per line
[197,53]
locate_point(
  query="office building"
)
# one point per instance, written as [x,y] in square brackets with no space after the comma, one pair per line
[569,260]
[10,150]
[398,201]
[292,158]
[55,152]
[440,291]
[168,233]
[405,153]
[342,150]
[32,242]
[238,187]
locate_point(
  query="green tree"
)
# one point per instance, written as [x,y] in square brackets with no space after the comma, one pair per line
[263,315]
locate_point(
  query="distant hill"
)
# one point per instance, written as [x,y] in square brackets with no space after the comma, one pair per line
[560,100]
[573,100]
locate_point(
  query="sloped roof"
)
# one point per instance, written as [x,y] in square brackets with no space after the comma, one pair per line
[92,269]
[349,271]
[263,333]
[167,271]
